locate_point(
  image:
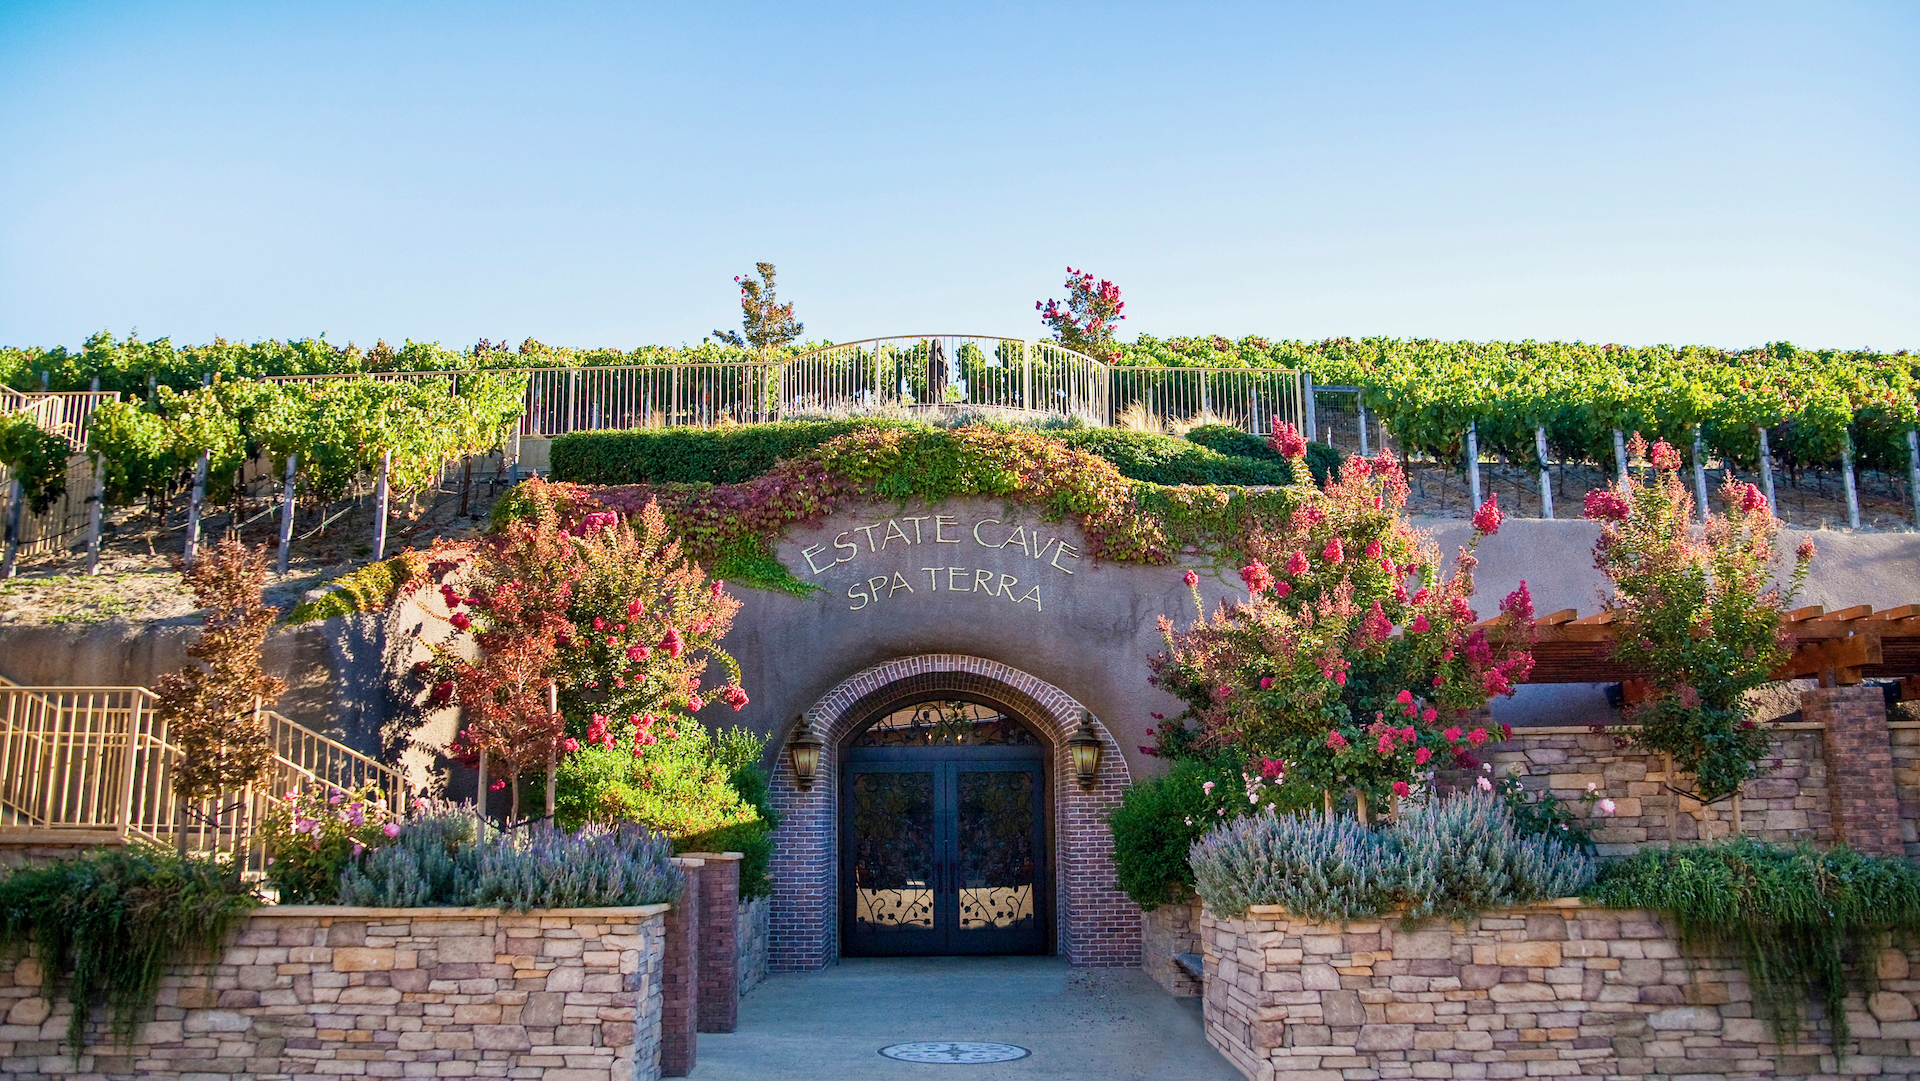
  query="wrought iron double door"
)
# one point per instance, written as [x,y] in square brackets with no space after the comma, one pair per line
[943,851]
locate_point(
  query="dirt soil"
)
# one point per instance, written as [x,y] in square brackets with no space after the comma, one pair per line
[139,577]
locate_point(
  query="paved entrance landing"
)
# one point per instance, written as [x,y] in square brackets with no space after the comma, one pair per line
[1081,1024]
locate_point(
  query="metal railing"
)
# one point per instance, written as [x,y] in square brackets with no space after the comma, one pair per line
[908,372]
[100,761]
[962,370]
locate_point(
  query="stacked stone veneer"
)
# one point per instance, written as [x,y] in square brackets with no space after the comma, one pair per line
[1096,925]
[1171,930]
[1789,803]
[751,937]
[322,992]
[1553,991]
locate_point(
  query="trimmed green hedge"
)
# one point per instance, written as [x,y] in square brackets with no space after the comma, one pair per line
[1214,454]
[691,455]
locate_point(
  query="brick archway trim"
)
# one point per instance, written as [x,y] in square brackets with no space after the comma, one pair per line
[1097,925]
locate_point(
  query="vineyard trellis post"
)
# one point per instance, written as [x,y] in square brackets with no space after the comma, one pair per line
[199,495]
[1473,461]
[1846,477]
[15,496]
[380,492]
[96,504]
[1306,401]
[1700,473]
[1766,468]
[286,516]
[1546,479]
[1620,456]
[1360,405]
[1913,473]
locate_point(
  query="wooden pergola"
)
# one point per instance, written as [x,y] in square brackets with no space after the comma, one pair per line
[1839,648]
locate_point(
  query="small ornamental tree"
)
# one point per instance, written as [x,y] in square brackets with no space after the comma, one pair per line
[212,709]
[768,323]
[1087,323]
[606,617]
[1353,663]
[1698,612]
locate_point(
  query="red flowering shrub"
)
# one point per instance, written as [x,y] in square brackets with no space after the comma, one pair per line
[1697,611]
[1345,673]
[606,611]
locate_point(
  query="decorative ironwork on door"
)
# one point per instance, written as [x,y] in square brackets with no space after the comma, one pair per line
[944,834]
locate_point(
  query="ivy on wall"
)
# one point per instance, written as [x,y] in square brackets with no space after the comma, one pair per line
[732,528]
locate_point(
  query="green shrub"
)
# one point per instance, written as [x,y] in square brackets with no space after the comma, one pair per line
[1456,858]
[110,922]
[1159,820]
[708,793]
[753,840]
[1323,461]
[1804,924]
[691,455]
[1213,454]
[368,589]
[440,860]
[1165,460]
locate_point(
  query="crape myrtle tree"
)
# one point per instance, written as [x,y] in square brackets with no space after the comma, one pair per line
[1349,673]
[768,324]
[1091,314]
[1698,612]
[212,708]
[604,620]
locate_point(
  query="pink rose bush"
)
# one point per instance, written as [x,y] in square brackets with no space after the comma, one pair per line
[311,835]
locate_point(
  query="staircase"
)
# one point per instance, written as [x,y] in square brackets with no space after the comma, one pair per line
[81,765]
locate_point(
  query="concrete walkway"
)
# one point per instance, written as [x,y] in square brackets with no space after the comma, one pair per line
[1091,1024]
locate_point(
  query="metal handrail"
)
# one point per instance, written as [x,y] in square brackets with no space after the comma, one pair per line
[100,759]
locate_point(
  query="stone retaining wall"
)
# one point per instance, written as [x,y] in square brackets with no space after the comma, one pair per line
[312,992]
[1170,930]
[1558,990]
[752,940]
[1790,803]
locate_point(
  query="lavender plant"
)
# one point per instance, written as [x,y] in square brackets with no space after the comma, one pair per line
[1454,859]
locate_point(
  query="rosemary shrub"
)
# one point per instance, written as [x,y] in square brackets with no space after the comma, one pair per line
[110,922]
[1801,922]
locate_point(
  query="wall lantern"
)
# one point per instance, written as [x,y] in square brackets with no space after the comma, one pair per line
[1084,745]
[805,748]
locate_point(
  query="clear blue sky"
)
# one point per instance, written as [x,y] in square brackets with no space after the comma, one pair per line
[596,174]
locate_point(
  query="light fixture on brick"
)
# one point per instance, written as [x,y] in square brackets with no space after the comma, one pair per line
[1084,745]
[805,749]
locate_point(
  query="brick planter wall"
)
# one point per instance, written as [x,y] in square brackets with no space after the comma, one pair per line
[719,991]
[310,992]
[1097,926]
[1558,990]
[1167,931]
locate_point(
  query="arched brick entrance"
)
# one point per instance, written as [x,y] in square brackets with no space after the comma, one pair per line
[1097,925]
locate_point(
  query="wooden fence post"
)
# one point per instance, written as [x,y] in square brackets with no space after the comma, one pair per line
[1700,473]
[1306,403]
[1360,403]
[1846,475]
[380,492]
[1620,456]
[1473,462]
[15,496]
[1546,479]
[194,502]
[1766,470]
[95,504]
[286,516]
[1913,473]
